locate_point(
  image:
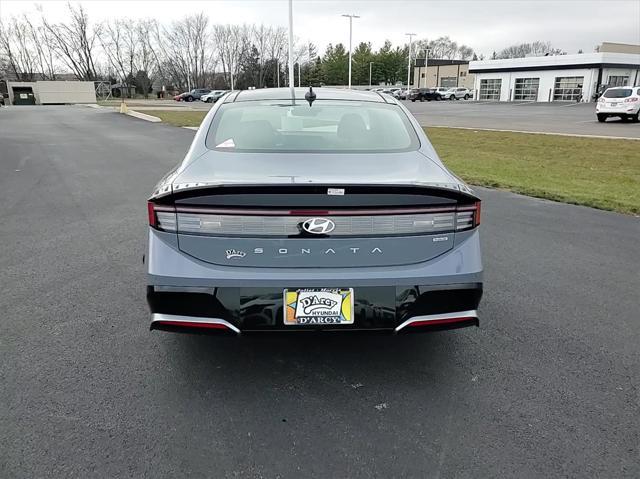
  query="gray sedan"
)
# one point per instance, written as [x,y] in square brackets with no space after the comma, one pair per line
[321,210]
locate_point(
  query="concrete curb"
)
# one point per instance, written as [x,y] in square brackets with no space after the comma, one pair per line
[195,128]
[144,116]
[534,132]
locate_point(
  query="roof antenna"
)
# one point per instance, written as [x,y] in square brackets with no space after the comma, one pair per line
[310,96]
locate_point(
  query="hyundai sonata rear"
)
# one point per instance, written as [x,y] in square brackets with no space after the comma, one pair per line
[325,210]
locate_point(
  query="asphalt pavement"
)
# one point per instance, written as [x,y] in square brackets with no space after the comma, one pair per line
[547,386]
[555,117]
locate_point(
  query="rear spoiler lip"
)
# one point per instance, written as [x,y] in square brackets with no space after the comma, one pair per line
[186,190]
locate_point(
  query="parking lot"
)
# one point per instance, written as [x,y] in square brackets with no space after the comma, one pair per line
[546,387]
[560,117]
[565,118]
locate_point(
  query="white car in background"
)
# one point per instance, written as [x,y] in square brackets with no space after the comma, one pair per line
[401,94]
[620,101]
[212,96]
[454,93]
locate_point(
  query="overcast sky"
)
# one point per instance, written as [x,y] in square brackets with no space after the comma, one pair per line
[485,25]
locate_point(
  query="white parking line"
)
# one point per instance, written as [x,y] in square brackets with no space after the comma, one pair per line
[536,132]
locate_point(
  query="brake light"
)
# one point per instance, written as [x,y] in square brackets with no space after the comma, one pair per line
[629,100]
[601,99]
[162,217]
[468,217]
[152,214]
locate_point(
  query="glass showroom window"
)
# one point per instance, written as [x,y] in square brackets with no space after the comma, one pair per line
[526,89]
[490,89]
[567,88]
[618,80]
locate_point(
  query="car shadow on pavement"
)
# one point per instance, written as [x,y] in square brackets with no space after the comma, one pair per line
[345,357]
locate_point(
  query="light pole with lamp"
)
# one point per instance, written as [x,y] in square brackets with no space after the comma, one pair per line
[410,35]
[426,66]
[351,17]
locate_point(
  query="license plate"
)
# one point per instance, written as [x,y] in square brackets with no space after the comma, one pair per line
[613,104]
[318,306]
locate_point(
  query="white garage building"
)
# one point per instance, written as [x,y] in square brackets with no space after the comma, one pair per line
[553,78]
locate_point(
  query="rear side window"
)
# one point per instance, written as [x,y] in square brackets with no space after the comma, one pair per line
[618,93]
[326,126]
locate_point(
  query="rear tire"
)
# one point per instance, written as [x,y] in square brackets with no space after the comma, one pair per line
[189,98]
[452,97]
[602,118]
[636,118]
[466,97]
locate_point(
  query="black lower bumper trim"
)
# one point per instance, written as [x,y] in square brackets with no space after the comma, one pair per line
[381,308]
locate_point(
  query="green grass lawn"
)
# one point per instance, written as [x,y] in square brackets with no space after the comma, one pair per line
[178,118]
[594,172]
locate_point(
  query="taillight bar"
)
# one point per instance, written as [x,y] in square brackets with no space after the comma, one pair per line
[354,222]
[309,212]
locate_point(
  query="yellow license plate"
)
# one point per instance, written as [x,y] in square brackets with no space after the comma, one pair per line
[318,306]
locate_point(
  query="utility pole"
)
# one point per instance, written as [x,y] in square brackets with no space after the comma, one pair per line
[299,77]
[292,79]
[351,17]
[410,35]
[370,64]
[426,68]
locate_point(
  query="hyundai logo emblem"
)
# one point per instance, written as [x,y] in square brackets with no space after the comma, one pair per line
[318,226]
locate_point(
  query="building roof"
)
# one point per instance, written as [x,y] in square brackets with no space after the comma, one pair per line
[555,62]
[439,62]
[321,94]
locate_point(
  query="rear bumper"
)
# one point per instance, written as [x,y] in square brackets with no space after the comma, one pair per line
[389,309]
[186,294]
[613,111]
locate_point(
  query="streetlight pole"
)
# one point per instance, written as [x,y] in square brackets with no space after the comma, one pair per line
[426,68]
[351,17]
[370,65]
[410,35]
[292,80]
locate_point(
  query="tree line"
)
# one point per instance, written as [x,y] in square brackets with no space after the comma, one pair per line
[192,52]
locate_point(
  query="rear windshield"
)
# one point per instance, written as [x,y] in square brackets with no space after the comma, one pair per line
[326,126]
[618,93]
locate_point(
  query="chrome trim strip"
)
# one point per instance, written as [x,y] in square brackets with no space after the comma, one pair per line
[434,317]
[159,317]
[386,211]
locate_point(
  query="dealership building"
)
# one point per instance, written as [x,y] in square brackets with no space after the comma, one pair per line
[433,72]
[556,77]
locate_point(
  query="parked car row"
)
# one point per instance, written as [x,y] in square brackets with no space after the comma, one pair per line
[428,94]
[440,93]
[201,94]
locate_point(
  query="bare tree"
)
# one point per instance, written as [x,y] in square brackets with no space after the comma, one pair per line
[41,43]
[232,43]
[119,42]
[74,42]
[187,44]
[16,48]
[145,58]
[537,48]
